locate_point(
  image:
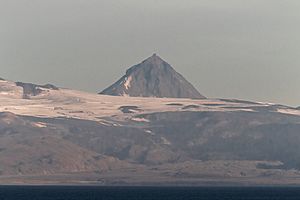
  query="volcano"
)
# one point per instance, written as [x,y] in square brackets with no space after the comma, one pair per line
[154,77]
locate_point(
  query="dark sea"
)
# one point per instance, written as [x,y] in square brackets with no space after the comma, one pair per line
[146,193]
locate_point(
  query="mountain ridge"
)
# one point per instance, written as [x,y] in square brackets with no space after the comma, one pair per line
[111,140]
[64,136]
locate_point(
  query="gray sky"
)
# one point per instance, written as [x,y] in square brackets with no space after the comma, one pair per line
[226,48]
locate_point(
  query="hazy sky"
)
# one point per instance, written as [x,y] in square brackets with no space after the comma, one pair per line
[226,48]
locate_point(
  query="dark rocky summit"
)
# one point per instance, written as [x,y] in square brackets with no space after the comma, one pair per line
[153,78]
[30,89]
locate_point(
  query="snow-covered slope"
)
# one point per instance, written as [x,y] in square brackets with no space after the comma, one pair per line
[82,105]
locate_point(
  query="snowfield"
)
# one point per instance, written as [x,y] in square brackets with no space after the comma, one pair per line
[82,105]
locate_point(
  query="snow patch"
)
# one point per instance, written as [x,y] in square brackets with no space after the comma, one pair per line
[246,110]
[4,93]
[39,125]
[139,119]
[116,124]
[150,132]
[105,123]
[127,83]
[289,111]
[165,141]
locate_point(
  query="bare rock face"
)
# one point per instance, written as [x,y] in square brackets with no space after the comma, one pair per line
[153,78]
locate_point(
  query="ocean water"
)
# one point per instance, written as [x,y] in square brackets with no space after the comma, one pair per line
[146,193]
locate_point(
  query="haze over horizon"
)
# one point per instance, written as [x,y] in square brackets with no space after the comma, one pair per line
[244,50]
